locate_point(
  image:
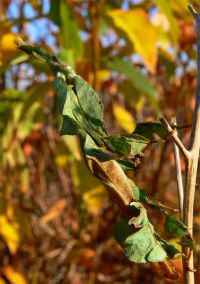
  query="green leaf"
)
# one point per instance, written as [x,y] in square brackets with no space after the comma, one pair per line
[177,228]
[69,36]
[125,165]
[90,104]
[142,137]
[43,55]
[126,144]
[172,224]
[60,89]
[139,80]
[144,244]
[73,122]
[149,129]
[84,107]
[79,117]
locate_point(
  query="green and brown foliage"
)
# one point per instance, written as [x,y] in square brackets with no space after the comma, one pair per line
[56,220]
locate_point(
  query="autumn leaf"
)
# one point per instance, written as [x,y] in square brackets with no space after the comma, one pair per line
[132,25]
[13,275]
[9,230]
[123,118]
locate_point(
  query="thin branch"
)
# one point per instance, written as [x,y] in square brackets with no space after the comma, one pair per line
[176,139]
[195,134]
[178,173]
[193,11]
[192,165]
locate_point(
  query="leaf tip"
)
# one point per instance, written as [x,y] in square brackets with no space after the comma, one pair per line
[19,42]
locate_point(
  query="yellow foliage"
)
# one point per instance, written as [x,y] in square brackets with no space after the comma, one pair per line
[134,24]
[102,76]
[7,47]
[9,230]
[175,243]
[14,276]
[7,42]
[124,118]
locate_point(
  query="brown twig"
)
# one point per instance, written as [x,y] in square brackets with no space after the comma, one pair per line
[192,163]
[176,139]
[178,174]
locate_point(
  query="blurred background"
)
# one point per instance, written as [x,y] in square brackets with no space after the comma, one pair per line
[56,220]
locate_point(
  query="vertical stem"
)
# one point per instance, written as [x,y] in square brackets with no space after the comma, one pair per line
[192,163]
[178,174]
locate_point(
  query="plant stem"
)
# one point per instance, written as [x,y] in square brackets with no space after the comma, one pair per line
[192,163]
[178,174]
[176,139]
[191,158]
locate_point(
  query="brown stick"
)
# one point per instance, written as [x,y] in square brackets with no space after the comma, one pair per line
[178,174]
[192,164]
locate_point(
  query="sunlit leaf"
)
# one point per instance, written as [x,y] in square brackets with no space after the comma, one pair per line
[9,230]
[123,118]
[180,7]
[13,275]
[7,46]
[133,25]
